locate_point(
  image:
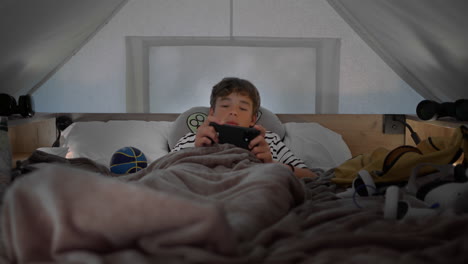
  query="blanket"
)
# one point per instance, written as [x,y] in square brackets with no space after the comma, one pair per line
[205,198]
[210,205]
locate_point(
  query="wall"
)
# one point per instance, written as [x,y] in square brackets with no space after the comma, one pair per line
[94,79]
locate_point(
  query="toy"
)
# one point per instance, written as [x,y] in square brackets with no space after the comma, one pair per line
[128,160]
[444,190]
[363,185]
[396,208]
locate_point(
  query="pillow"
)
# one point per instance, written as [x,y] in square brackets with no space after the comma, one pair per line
[270,122]
[59,151]
[190,120]
[98,140]
[317,146]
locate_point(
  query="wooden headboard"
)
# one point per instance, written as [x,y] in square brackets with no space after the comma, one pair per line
[362,132]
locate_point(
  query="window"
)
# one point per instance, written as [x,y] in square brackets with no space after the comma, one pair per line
[169,75]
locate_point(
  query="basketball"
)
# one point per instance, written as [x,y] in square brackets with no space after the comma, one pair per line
[127,160]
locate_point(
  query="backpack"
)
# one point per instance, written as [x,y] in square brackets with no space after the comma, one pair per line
[395,166]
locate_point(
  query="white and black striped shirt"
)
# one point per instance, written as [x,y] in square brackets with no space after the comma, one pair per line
[279,151]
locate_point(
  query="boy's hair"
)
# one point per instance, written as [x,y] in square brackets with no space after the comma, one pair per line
[235,85]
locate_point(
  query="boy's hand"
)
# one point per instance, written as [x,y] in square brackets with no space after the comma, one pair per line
[206,134]
[259,147]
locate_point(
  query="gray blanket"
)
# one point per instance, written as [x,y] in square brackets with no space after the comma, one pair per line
[206,200]
[209,205]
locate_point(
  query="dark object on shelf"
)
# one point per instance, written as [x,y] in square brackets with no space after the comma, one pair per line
[8,106]
[61,123]
[430,110]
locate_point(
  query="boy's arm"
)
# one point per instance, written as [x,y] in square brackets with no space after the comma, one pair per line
[303,173]
[263,152]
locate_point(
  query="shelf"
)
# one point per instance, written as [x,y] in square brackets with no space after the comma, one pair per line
[16,120]
[444,122]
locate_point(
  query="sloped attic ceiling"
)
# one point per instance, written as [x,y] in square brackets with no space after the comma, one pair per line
[39,36]
[424,42]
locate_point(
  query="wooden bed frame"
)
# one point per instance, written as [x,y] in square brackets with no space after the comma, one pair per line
[362,132]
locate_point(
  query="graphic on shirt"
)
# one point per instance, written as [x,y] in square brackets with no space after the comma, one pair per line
[195,120]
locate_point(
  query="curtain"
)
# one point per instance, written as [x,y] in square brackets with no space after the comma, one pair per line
[423,41]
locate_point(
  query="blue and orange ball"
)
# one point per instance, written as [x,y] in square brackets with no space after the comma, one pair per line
[128,160]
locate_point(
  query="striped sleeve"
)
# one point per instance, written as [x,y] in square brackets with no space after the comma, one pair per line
[186,141]
[280,152]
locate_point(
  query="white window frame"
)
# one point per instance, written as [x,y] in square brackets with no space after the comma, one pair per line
[327,71]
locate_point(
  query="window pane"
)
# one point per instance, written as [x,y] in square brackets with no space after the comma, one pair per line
[182,76]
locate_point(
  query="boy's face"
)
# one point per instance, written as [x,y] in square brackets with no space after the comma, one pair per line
[234,109]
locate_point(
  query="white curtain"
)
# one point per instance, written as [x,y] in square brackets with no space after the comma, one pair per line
[424,41]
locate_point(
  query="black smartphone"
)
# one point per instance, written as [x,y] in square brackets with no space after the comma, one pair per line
[236,135]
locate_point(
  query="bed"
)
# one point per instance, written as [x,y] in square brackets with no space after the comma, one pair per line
[207,205]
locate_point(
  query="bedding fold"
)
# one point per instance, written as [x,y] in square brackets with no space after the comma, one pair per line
[215,205]
[207,198]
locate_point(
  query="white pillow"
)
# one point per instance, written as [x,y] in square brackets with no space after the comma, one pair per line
[317,146]
[59,151]
[98,140]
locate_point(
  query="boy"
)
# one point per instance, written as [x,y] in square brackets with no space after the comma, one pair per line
[236,101]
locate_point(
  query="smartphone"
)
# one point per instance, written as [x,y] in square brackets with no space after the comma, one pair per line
[236,135]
